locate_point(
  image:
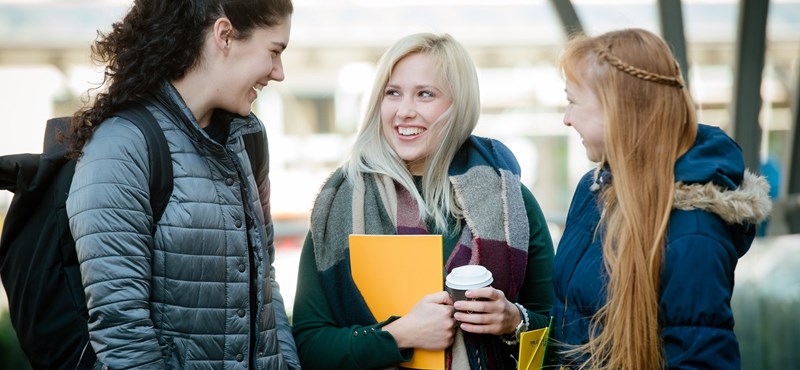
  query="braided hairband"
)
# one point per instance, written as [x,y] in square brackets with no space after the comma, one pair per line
[640,73]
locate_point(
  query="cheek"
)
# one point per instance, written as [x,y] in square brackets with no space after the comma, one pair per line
[599,129]
[386,128]
[258,63]
[387,123]
[592,134]
[598,140]
[264,66]
[387,111]
[438,111]
[386,120]
[430,118]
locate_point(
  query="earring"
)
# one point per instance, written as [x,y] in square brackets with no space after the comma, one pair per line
[226,34]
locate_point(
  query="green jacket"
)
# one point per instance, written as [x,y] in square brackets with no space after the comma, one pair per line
[323,343]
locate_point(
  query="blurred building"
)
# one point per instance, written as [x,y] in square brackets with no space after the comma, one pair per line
[45,70]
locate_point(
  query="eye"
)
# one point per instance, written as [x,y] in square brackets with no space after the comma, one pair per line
[426,94]
[391,92]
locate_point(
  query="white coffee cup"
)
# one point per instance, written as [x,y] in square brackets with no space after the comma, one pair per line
[465,278]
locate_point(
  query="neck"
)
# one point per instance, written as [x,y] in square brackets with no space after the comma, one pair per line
[192,89]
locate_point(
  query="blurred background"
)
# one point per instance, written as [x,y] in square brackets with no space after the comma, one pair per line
[741,59]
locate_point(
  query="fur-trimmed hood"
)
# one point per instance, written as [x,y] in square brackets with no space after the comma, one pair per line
[711,177]
[747,204]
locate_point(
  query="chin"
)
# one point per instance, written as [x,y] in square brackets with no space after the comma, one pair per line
[244,112]
[593,156]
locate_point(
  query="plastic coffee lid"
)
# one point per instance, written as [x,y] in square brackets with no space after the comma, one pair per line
[469,277]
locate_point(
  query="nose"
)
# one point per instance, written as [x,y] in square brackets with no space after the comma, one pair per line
[407,108]
[277,69]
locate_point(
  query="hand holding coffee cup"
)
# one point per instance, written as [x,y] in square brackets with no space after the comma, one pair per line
[465,278]
[496,316]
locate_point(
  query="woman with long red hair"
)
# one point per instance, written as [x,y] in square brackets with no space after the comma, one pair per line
[643,274]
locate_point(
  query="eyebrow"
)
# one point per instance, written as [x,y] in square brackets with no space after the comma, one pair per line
[416,87]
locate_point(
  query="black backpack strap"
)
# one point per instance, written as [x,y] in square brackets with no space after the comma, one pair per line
[158,153]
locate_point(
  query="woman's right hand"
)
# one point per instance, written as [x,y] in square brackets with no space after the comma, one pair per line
[429,325]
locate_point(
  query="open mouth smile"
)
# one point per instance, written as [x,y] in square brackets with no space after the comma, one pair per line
[410,131]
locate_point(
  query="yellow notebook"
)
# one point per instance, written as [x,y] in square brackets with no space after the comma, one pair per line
[393,272]
[532,347]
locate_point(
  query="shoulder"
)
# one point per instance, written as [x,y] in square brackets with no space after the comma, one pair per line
[116,138]
[118,127]
[531,204]
[699,241]
[494,152]
[328,191]
[584,208]
[537,222]
[487,142]
[584,193]
[334,179]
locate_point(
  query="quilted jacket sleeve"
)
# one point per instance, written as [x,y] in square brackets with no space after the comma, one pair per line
[697,284]
[286,340]
[110,218]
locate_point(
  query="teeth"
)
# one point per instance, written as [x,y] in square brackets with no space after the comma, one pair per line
[410,131]
[258,87]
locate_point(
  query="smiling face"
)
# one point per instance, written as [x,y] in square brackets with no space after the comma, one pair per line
[585,114]
[413,100]
[254,61]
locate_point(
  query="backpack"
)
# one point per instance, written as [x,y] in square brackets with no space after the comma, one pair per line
[39,266]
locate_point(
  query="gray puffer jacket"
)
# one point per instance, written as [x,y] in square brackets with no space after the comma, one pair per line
[200,294]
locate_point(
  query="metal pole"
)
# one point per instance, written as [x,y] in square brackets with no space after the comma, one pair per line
[671,17]
[792,193]
[751,46]
[568,16]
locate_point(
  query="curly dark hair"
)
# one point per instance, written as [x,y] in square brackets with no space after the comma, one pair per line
[158,40]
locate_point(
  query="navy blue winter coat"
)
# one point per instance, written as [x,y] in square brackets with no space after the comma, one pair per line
[717,205]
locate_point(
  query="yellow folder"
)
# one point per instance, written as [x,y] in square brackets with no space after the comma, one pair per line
[532,347]
[393,272]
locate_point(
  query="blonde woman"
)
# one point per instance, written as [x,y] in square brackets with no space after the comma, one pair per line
[416,169]
[644,271]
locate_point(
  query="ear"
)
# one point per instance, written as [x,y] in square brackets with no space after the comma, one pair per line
[223,33]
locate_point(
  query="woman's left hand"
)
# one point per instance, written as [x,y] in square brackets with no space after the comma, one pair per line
[491,313]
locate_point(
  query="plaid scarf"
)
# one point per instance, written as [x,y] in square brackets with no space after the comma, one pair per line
[485,177]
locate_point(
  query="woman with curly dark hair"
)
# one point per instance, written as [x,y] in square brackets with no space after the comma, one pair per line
[200,291]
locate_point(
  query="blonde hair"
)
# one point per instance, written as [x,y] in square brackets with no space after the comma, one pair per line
[649,123]
[371,152]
